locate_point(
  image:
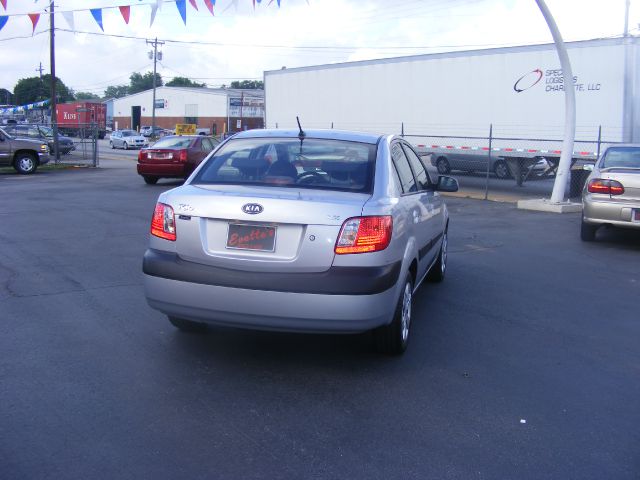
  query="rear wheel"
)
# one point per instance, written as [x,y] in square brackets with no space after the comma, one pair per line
[187,325]
[394,338]
[25,163]
[501,169]
[588,232]
[438,270]
[442,164]
[149,180]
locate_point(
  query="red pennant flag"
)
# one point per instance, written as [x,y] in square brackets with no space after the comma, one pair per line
[193,4]
[125,11]
[4,3]
[34,20]
[209,5]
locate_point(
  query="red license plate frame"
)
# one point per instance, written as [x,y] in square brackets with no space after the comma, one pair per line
[257,238]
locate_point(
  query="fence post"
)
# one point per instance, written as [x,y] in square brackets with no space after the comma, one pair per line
[402,131]
[331,125]
[486,185]
[599,142]
[95,145]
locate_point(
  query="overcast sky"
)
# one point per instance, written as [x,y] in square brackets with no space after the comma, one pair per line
[241,42]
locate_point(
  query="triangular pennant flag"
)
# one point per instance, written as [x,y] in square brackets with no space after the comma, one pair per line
[272,2]
[97,16]
[125,11]
[193,4]
[182,8]
[234,3]
[34,21]
[68,17]
[154,10]
[3,21]
[4,4]
[159,4]
[210,5]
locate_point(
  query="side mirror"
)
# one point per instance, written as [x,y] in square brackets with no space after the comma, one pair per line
[447,184]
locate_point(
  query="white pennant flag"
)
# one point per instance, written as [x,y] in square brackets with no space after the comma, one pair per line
[159,4]
[154,10]
[68,17]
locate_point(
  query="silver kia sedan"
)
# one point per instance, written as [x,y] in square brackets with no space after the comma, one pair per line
[316,231]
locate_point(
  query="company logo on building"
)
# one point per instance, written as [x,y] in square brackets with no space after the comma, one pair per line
[528,80]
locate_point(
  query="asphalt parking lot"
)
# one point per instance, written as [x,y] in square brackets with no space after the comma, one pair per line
[523,364]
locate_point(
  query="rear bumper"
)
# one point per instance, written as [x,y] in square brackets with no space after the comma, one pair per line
[340,300]
[609,212]
[162,169]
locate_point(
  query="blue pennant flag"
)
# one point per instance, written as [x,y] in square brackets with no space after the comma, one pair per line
[3,21]
[182,8]
[97,16]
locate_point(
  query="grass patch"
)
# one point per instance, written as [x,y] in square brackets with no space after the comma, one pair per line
[49,167]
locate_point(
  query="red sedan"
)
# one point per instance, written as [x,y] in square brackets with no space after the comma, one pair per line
[174,156]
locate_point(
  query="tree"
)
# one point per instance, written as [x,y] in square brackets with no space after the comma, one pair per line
[35,89]
[116,91]
[140,83]
[6,97]
[86,96]
[184,82]
[248,84]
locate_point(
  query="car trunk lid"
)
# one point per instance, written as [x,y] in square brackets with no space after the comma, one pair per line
[629,178]
[254,228]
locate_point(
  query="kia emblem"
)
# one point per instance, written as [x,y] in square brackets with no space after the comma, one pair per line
[252,208]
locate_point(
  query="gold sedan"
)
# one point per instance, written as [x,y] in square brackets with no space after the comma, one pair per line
[611,195]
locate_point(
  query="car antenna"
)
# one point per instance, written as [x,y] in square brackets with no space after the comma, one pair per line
[301,134]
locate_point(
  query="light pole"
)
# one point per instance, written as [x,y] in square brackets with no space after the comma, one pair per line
[560,184]
[155,55]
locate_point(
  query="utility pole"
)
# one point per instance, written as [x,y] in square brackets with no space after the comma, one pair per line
[626,18]
[156,57]
[40,69]
[52,52]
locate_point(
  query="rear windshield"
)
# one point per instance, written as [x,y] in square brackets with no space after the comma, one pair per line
[286,162]
[621,157]
[173,142]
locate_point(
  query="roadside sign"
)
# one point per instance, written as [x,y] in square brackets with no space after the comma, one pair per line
[185,129]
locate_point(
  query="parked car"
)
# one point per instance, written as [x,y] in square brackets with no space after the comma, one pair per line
[25,155]
[152,132]
[174,156]
[469,162]
[323,231]
[44,134]
[127,139]
[611,195]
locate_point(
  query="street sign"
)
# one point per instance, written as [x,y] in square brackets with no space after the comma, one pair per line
[185,129]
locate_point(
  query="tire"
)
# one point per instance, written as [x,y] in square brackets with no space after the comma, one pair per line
[442,164]
[112,145]
[149,180]
[125,145]
[25,163]
[393,339]
[501,169]
[588,232]
[187,325]
[439,268]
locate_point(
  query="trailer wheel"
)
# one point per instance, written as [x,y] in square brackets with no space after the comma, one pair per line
[501,169]
[442,164]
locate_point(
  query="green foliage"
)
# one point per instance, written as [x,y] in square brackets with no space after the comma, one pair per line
[35,89]
[6,97]
[248,84]
[116,91]
[184,82]
[140,83]
[86,96]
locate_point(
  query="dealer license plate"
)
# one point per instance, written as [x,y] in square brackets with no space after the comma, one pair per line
[243,236]
[160,156]
[636,215]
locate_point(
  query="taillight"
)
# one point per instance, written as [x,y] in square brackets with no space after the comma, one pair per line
[364,234]
[608,187]
[142,155]
[163,224]
[180,155]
